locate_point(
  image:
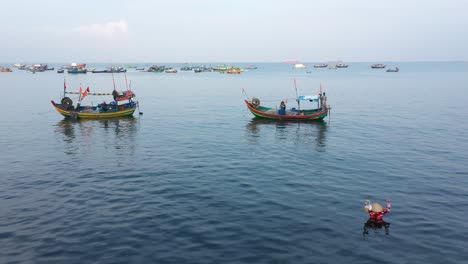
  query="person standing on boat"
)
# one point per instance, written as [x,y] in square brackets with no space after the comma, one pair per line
[115,94]
[323,101]
[282,110]
[319,102]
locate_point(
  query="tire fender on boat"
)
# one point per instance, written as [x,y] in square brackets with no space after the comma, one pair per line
[255,102]
[67,102]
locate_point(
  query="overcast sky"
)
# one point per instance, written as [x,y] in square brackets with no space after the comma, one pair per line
[233,31]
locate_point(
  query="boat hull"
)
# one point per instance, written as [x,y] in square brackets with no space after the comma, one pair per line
[320,115]
[93,115]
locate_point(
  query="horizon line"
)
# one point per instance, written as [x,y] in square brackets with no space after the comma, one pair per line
[283,61]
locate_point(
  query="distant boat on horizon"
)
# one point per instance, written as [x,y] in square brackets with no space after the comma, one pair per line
[396,69]
[251,67]
[299,66]
[321,65]
[378,66]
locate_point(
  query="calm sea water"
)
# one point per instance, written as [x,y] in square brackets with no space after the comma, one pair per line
[196,179]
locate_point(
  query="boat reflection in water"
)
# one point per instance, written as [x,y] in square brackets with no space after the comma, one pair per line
[375,226]
[85,136]
[301,133]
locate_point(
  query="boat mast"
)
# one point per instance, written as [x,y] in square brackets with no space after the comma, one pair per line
[126,83]
[298,104]
[113,81]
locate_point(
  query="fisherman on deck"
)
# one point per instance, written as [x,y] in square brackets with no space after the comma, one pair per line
[282,110]
[115,94]
[323,100]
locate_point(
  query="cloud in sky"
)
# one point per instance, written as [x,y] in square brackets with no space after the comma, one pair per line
[118,29]
[244,30]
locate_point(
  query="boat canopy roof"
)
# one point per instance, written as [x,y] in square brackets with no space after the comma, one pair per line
[311,98]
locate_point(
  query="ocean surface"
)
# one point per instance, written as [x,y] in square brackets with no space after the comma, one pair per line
[196,179]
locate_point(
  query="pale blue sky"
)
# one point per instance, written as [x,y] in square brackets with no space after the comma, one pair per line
[233,31]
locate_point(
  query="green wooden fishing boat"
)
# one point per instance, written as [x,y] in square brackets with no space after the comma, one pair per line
[293,114]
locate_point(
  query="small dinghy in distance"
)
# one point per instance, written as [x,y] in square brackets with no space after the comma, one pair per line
[396,69]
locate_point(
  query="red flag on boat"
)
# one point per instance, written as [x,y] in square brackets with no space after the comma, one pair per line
[64,85]
[80,90]
[85,93]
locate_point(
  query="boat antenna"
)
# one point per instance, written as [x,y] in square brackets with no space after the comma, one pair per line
[64,87]
[295,87]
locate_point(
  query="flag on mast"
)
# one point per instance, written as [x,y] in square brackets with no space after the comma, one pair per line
[85,93]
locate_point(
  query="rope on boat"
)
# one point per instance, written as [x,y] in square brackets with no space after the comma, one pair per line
[263,100]
[276,100]
[89,93]
[243,91]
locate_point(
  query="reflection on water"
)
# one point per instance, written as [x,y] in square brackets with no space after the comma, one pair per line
[86,135]
[376,226]
[298,132]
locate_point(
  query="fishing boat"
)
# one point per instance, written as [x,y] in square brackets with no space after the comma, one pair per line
[321,65]
[123,104]
[99,71]
[110,70]
[75,65]
[40,67]
[5,69]
[60,71]
[299,66]
[77,70]
[186,68]
[170,70]
[377,66]
[318,112]
[157,68]
[234,70]
[251,67]
[396,69]
[341,65]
